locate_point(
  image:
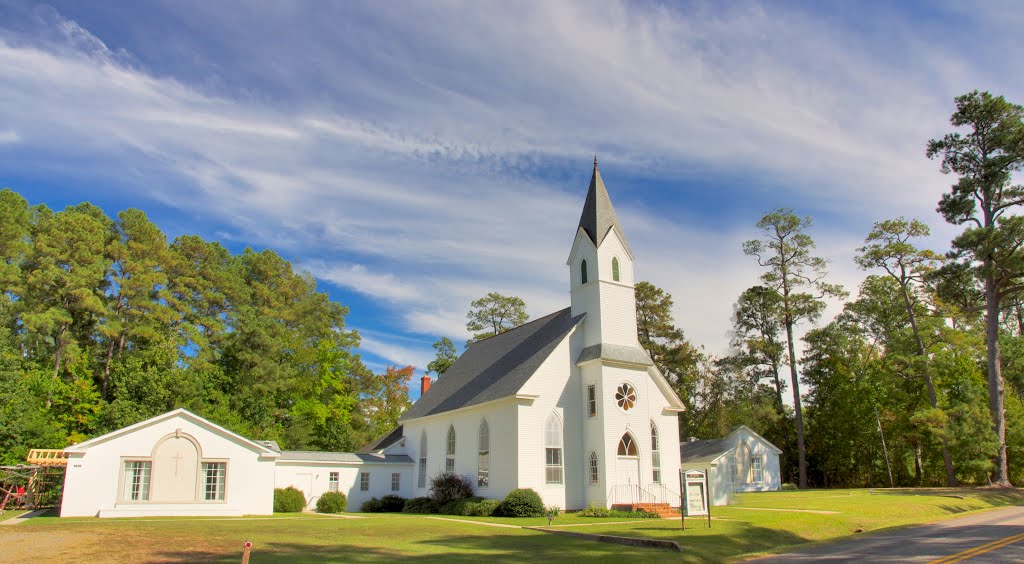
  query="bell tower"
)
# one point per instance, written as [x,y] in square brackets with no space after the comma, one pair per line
[601,272]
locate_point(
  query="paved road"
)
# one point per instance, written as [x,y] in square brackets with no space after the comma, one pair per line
[987,538]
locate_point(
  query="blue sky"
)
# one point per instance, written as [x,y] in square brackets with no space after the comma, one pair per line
[414,156]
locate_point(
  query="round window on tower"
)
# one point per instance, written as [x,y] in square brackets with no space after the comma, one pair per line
[625,397]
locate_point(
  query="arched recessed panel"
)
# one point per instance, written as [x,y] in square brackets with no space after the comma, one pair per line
[583,271]
[615,269]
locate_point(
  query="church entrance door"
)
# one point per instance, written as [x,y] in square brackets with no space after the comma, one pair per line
[629,479]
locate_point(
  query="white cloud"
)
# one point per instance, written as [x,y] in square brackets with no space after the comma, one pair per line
[405,171]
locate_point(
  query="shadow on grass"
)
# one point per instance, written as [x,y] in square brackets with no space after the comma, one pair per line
[508,548]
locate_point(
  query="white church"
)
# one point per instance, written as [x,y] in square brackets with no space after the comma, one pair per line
[569,405]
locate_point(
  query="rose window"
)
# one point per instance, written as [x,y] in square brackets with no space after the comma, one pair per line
[625,397]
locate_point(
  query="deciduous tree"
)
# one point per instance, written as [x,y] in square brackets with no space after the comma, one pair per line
[494,314]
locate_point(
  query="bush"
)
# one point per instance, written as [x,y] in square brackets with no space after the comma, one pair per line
[331,502]
[521,503]
[392,503]
[789,487]
[592,511]
[553,511]
[420,505]
[288,500]
[446,488]
[482,508]
[372,505]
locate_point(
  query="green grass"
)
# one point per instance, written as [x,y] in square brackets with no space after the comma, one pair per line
[736,533]
[11,514]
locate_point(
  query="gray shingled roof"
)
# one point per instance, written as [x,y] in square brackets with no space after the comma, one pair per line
[631,355]
[272,445]
[353,457]
[705,451]
[598,214]
[496,367]
[383,442]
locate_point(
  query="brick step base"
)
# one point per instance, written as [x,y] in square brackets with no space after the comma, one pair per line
[663,510]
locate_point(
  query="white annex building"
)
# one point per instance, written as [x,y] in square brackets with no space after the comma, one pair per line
[742,461]
[569,405]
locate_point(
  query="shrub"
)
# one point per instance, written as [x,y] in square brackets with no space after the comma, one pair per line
[789,487]
[521,503]
[482,508]
[331,502]
[553,511]
[372,505]
[392,503]
[592,511]
[420,505]
[445,488]
[288,500]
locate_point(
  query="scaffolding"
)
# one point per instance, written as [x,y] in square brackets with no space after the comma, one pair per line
[35,485]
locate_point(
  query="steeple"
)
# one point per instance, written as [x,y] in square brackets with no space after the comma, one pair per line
[598,214]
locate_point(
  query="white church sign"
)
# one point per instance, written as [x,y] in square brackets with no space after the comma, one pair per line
[696,497]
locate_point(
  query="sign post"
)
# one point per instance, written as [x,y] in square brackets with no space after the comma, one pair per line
[696,496]
[245,552]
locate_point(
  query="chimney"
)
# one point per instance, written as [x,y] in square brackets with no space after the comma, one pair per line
[424,384]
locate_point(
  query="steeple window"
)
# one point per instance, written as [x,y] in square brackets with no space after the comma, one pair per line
[615,269]
[583,271]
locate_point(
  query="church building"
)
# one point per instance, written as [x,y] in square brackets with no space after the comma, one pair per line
[569,405]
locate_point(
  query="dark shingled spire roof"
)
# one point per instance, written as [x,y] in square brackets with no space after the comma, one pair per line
[598,214]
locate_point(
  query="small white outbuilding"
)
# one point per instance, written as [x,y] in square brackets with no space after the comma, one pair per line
[742,461]
[174,464]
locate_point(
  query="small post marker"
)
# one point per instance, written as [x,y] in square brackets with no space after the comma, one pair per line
[245,551]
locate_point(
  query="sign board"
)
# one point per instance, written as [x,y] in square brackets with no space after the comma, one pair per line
[695,493]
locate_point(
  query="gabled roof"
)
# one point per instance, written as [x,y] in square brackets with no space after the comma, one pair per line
[598,217]
[709,450]
[618,353]
[383,442]
[263,450]
[346,457]
[712,449]
[496,367]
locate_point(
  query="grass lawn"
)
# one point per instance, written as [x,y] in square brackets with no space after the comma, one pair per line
[11,513]
[736,532]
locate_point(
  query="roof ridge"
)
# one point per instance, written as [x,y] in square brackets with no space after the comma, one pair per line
[516,328]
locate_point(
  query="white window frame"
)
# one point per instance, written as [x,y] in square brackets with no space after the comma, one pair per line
[449,453]
[137,480]
[332,481]
[220,484]
[483,461]
[364,481]
[396,481]
[594,470]
[553,472]
[591,401]
[655,454]
[757,469]
[421,480]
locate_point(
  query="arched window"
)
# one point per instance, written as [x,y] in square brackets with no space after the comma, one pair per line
[483,465]
[594,475]
[553,450]
[422,479]
[583,271]
[449,458]
[655,454]
[627,445]
[743,464]
[615,269]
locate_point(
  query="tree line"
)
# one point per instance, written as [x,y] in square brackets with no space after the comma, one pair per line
[104,323]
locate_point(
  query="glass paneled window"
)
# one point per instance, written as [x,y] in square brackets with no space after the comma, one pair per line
[591,400]
[449,458]
[214,475]
[136,480]
[756,469]
[594,475]
[364,481]
[421,479]
[615,269]
[553,450]
[483,468]
[396,481]
[655,455]
[332,483]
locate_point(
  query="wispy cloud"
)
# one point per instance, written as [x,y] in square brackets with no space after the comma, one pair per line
[425,156]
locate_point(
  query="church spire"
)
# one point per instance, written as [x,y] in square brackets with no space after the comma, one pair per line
[598,215]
